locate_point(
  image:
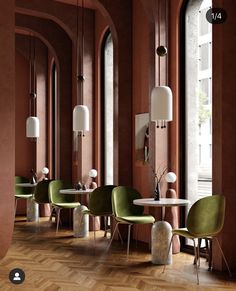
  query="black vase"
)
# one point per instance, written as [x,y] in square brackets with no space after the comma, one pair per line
[78,186]
[157,192]
[33,179]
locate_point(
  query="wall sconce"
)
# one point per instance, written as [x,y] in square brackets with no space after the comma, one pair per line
[80,112]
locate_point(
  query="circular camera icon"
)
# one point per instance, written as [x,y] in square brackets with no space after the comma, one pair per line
[17,276]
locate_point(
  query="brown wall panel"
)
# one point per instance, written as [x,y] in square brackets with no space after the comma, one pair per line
[7,124]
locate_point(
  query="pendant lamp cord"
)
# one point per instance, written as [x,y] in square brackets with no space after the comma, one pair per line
[167,36]
[82,54]
[32,78]
[80,69]
[159,41]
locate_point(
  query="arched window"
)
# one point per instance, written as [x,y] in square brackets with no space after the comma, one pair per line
[53,147]
[197,125]
[107,108]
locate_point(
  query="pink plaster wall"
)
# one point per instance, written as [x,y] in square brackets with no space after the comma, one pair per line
[7,124]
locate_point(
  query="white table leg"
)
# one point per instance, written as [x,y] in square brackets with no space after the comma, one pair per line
[80,227]
[32,210]
[161,236]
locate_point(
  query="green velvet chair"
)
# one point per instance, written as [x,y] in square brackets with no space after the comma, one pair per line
[61,201]
[125,212]
[205,220]
[22,192]
[41,195]
[100,205]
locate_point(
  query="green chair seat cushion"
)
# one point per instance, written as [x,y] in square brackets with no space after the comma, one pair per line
[67,205]
[23,196]
[139,219]
[183,232]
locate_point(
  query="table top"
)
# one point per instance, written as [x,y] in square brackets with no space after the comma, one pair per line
[25,185]
[167,202]
[74,191]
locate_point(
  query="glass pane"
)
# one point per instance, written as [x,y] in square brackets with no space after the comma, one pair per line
[198,134]
[108,111]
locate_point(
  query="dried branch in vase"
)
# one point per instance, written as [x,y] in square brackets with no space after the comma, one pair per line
[159,173]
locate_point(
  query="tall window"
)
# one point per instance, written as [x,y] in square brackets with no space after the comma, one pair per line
[198,101]
[108,110]
[54,156]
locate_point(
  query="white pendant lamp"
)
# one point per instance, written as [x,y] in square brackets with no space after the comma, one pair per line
[80,118]
[32,122]
[80,112]
[161,96]
[32,127]
[161,105]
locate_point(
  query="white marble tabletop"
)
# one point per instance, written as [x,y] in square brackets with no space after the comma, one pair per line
[74,191]
[163,202]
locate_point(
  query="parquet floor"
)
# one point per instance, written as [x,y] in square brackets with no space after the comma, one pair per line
[61,262]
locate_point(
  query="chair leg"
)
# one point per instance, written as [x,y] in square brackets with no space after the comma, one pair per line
[105,225]
[128,242]
[94,231]
[195,253]
[223,257]
[210,254]
[113,235]
[198,251]
[15,206]
[58,218]
[118,231]
[136,236]
[164,267]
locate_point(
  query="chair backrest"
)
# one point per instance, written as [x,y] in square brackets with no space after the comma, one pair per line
[41,192]
[206,216]
[20,189]
[100,200]
[122,202]
[55,196]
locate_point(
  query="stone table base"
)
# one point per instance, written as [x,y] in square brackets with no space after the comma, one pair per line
[81,227]
[161,236]
[32,210]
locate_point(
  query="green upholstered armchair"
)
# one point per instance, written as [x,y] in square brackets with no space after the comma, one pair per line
[22,192]
[205,220]
[125,212]
[100,204]
[61,201]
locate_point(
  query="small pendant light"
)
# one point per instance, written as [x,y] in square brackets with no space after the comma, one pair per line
[32,122]
[161,96]
[80,112]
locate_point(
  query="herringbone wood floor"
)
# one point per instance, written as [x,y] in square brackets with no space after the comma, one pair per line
[61,262]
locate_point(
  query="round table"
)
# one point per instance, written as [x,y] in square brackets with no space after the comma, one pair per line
[80,221]
[161,230]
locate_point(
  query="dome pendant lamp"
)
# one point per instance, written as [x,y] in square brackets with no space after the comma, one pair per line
[32,122]
[161,96]
[80,112]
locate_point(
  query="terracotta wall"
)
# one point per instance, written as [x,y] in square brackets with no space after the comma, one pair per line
[224,122]
[24,148]
[7,124]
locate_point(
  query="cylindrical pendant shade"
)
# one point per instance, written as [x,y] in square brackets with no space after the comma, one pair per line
[80,118]
[161,104]
[32,126]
